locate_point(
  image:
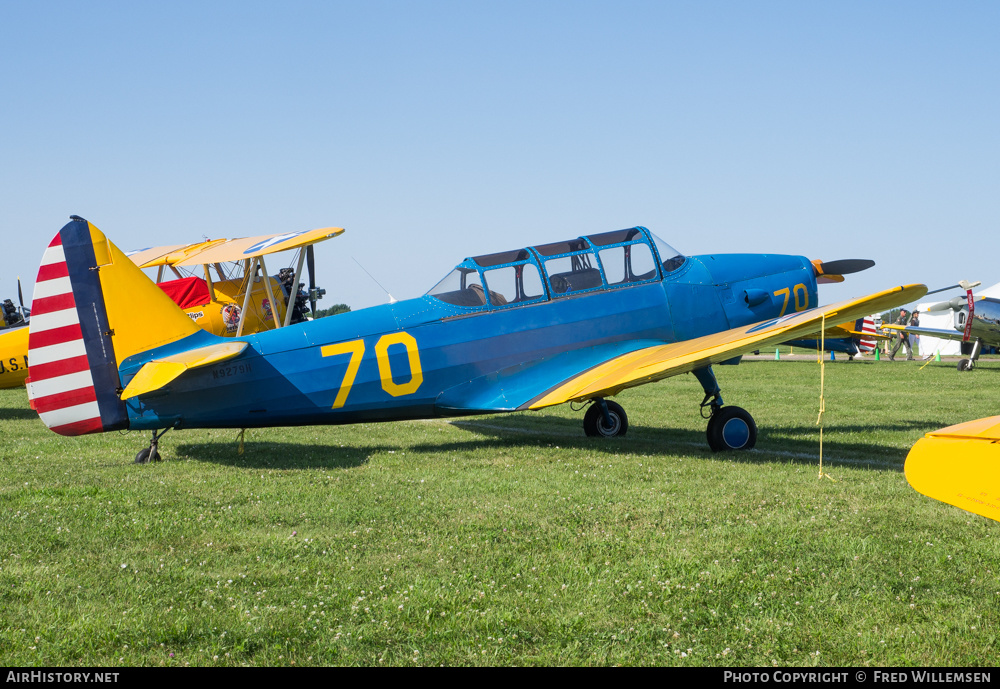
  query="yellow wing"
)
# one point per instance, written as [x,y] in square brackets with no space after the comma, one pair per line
[251,247]
[227,250]
[155,255]
[661,361]
[960,465]
[847,330]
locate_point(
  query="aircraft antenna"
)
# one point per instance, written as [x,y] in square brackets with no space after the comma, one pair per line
[392,299]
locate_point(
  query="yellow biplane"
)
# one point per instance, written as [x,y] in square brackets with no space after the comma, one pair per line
[14,341]
[223,285]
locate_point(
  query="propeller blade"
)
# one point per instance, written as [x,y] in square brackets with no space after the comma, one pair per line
[20,297]
[311,263]
[955,304]
[845,266]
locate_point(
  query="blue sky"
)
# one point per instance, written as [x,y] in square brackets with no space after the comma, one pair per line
[433,131]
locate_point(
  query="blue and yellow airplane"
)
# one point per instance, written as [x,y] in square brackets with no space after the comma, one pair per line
[577,320]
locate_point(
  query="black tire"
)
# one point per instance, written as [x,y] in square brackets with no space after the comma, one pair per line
[964,365]
[595,426]
[731,428]
[144,456]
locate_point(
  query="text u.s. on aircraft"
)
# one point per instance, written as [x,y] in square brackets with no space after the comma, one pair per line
[578,320]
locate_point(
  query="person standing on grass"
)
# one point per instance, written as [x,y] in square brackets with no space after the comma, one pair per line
[904,339]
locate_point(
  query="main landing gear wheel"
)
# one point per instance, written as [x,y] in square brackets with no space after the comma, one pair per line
[596,425]
[964,365]
[731,428]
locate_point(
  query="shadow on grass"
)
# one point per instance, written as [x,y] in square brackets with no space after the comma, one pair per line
[17,414]
[797,444]
[772,445]
[272,455]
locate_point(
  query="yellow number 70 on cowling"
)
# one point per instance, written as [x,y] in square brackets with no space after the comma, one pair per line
[801,297]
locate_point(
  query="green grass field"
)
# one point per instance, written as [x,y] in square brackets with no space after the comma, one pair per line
[511,540]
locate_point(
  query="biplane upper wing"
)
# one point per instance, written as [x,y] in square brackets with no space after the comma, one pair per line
[252,247]
[226,250]
[155,255]
[959,465]
[652,363]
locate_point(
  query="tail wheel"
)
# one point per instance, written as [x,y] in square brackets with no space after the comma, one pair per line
[731,428]
[595,425]
[147,455]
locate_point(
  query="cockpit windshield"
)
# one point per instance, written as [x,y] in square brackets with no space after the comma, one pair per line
[461,287]
[670,258]
[610,260]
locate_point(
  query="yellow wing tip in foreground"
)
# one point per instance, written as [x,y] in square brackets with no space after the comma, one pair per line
[960,466]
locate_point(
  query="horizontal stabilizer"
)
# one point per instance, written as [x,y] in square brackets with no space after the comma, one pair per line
[158,372]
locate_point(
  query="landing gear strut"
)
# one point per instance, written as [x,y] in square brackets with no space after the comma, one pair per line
[970,363]
[729,428]
[151,453]
[605,419]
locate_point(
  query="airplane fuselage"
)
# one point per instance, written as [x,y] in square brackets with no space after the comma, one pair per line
[423,357]
[985,321]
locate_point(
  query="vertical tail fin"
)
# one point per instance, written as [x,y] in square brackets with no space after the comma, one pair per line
[866,325]
[92,308]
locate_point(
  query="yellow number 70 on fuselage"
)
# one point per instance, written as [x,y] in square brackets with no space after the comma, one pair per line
[356,348]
